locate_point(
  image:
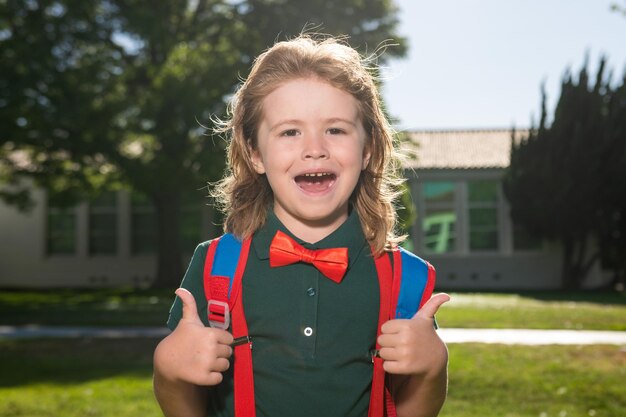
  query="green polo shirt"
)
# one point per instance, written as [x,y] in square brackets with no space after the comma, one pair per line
[311,336]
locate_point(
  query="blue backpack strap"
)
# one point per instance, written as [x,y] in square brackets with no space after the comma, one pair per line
[417,282]
[220,266]
[226,258]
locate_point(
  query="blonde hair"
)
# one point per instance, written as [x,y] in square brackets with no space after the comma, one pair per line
[245,196]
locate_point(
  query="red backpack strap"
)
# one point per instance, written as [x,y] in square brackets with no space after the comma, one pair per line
[385,280]
[223,272]
[216,289]
[405,287]
[243,377]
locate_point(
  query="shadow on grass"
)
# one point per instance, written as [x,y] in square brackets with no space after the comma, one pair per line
[100,307]
[70,361]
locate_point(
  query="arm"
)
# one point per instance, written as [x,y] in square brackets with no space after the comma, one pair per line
[416,359]
[178,398]
[421,395]
[191,358]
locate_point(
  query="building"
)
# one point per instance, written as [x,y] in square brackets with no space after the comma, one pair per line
[108,242]
[463,227]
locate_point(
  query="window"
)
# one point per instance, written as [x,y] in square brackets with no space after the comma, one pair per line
[61,231]
[483,215]
[103,225]
[439,219]
[143,225]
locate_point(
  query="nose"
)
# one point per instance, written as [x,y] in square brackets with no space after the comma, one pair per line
[315,147]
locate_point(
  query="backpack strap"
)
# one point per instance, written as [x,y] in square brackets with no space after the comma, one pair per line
[405,287]
[414,282]
[223,271]
[384,271]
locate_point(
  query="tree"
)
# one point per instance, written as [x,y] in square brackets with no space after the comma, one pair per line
[109,93]
[555,174]
[612,196]
[620,8]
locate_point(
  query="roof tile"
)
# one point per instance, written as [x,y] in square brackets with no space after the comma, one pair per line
[460,149]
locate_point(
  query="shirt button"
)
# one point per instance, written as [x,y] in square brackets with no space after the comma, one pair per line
[308,331]
[310,292]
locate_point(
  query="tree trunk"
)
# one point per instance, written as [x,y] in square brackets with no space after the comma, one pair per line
[169,261]
[570,271]
[568,254]
[576,263]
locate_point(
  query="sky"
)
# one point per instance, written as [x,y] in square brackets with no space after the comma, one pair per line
[480,63]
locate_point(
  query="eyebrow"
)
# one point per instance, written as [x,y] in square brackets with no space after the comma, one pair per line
[340,119]
[298,122]
[284,122]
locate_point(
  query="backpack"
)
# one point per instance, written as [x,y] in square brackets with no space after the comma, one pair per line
[406,282]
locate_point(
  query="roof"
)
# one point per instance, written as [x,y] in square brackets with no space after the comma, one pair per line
[460,149]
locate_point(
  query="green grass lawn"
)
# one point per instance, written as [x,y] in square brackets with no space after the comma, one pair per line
[589,311]
[78,378]
[537,381]
[103,377]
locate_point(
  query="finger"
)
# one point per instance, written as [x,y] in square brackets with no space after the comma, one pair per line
[388,353]
[393,326]
[429,309]
[213,378]
[221,364]
[389,340]
[224,351]
[222,337]
[394,367]
[190,311]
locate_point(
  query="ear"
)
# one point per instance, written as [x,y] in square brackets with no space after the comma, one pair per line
[366,157]
[257,161]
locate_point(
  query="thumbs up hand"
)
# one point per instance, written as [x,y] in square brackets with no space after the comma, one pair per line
[193,353]
[412,346]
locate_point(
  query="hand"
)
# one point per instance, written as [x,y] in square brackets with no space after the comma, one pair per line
[193,353]
[412,346]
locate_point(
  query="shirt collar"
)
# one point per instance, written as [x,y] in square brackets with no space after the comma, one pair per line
[348,235]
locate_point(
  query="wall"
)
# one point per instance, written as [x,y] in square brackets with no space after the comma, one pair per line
[25,264]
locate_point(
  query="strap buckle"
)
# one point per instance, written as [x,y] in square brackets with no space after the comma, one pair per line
[238,341]
[219,314]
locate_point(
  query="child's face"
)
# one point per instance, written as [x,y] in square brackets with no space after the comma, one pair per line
[312,147]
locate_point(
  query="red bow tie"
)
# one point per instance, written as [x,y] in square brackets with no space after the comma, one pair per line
[330,262]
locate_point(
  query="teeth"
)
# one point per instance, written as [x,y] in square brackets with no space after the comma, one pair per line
[319,174]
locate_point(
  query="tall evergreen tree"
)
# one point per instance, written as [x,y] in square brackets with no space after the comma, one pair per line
[94,93]
[611,227]
[555,174]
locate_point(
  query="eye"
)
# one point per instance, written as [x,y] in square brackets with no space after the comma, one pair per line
[336,131]
[289,132]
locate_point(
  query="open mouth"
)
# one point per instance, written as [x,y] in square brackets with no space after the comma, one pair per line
[316,182]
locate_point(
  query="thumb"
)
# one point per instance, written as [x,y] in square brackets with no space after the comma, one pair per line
[190,310]
[429,309]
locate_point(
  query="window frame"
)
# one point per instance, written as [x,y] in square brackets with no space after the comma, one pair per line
[74,232]
[461,178]
[95,209]
[495,205]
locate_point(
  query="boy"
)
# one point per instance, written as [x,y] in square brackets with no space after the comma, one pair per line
[311,168]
